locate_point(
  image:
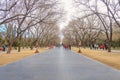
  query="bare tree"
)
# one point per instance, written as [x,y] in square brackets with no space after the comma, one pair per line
[85,31]
[113,10]
[5,9]
[24,15]
[107,17]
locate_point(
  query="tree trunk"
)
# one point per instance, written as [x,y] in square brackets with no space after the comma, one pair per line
[19,47]
[37,51]
[31,47]
[111,33]
[109,46]
[9,49]
[23,46]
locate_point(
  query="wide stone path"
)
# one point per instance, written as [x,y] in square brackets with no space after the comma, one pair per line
[58,64]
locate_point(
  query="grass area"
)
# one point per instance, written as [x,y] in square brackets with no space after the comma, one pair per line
[116,48]
[112,59]
[14,56]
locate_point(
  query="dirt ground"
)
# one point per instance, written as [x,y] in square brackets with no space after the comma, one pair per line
[14,56]
[112,59]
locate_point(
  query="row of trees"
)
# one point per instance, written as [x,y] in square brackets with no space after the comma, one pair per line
[100,16]
[29,22]
[83,32]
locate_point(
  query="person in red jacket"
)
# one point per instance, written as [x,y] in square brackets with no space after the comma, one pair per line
[65,46]
[103,46]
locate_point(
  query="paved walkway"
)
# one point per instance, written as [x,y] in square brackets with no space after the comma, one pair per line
[58,64]
[116,51]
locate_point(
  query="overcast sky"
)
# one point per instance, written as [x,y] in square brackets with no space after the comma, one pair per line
[72,12]
[69,11]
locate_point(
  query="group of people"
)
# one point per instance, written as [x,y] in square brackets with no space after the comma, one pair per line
[67,46]
[3,48]
[103,46]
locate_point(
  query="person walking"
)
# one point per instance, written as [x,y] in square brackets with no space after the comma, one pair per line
[103,46]
[69,46]
[4,47]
